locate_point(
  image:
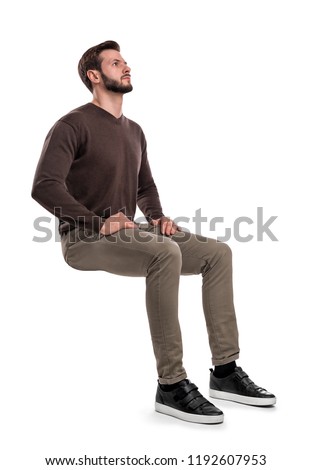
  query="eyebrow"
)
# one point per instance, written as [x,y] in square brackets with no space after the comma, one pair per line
[118,60]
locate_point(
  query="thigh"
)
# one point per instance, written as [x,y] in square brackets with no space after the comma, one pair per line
[128,252]
[197,251]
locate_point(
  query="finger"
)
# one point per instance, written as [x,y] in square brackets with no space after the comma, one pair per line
[169,227]
[163,227]
[130,225]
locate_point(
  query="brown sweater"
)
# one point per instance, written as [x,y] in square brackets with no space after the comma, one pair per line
[94,165]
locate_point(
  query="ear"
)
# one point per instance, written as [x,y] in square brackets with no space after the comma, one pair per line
[93,76]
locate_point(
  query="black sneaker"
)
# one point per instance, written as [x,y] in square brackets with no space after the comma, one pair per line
[186,402]
[240,388]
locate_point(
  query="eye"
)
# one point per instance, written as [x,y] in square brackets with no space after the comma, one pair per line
[115,63]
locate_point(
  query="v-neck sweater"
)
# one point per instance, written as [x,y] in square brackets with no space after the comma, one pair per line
[92,166]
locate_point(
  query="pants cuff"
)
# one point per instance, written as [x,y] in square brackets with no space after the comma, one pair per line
[226,360]
[164,381]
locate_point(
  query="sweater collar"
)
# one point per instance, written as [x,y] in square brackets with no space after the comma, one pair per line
[106,114]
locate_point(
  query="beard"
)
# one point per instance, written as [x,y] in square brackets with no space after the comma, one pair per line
[115,86]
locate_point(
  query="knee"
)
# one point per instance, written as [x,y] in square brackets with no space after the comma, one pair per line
[223,253]
[169,249]
[223,249]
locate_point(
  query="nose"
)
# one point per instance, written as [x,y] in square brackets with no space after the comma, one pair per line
[126,69]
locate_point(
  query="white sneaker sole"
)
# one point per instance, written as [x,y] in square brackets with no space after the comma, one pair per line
[192,418]
[241,398]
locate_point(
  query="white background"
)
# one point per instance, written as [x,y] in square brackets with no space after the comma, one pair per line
[222,91]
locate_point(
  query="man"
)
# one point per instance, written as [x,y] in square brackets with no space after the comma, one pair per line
[92,174]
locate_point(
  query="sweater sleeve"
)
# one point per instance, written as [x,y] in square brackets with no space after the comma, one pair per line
[49,185]
[147,196]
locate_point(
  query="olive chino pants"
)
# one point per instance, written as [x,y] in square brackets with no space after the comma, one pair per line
[161,260]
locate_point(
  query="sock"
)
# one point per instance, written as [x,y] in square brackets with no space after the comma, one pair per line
[169,388]
[223,371]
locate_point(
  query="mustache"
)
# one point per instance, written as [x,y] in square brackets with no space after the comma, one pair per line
[126,75]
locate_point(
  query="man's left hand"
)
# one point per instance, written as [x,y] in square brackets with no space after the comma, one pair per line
[167,225]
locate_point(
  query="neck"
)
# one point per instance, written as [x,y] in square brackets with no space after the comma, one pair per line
[109,101]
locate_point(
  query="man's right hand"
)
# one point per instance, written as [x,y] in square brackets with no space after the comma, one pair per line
[115,223]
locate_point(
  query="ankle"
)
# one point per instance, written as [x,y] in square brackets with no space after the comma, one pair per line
[224,370]
[170,387]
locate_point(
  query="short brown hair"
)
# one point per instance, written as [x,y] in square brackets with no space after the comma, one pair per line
[91,61]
